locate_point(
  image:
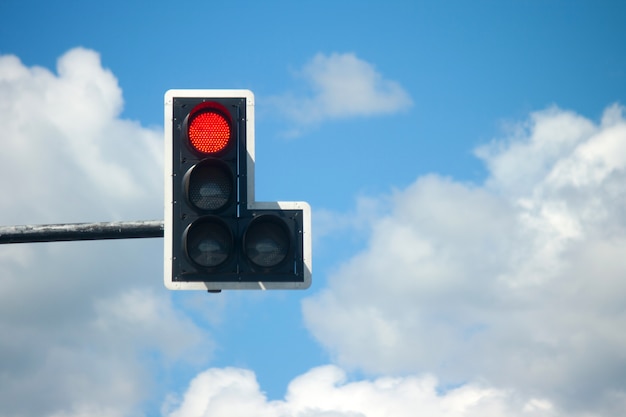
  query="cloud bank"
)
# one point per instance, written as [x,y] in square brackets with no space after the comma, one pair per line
[325,392]
[518,282]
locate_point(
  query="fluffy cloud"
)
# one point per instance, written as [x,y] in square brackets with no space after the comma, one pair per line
[342,86]
[518,282]
[63,140]
[325,392]
[85,325]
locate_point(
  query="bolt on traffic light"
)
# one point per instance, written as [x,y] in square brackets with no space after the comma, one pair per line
[216,235]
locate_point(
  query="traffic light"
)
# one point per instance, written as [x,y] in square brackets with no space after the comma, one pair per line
[216,235]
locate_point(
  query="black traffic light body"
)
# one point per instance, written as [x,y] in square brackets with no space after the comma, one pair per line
[216,236]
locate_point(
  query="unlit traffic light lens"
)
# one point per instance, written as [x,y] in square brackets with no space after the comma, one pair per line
[209,242]
[209,131]
[210,185]
[267,242]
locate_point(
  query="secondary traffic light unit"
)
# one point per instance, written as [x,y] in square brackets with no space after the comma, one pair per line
[216,235]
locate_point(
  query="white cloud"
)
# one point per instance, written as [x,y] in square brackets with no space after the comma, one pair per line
[86,326]
[342,86]
[325,392]
[65,149]
[328,222]
[518,282]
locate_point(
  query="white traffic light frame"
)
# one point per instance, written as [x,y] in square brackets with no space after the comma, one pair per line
[252,205]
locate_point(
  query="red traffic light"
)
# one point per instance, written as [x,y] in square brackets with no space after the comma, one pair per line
[216,235]
[209,129]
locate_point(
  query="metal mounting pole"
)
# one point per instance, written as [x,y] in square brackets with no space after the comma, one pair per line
[81,231]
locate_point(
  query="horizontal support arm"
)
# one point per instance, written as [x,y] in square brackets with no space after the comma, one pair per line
[81,231]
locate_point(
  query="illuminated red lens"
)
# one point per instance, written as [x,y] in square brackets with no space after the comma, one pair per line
[209,132]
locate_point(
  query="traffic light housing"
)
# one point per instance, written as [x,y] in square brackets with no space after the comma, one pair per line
[216,235]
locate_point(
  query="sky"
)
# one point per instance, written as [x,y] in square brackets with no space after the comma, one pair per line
[466,167]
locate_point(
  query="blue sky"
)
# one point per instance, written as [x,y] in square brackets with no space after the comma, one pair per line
[465,163]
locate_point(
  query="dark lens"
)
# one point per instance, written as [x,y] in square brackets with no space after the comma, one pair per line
[266,241]
[210,185]
[209,242]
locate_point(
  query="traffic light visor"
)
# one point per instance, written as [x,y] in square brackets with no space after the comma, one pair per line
[209,129]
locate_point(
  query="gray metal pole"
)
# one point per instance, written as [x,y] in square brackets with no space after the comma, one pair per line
[81,231]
